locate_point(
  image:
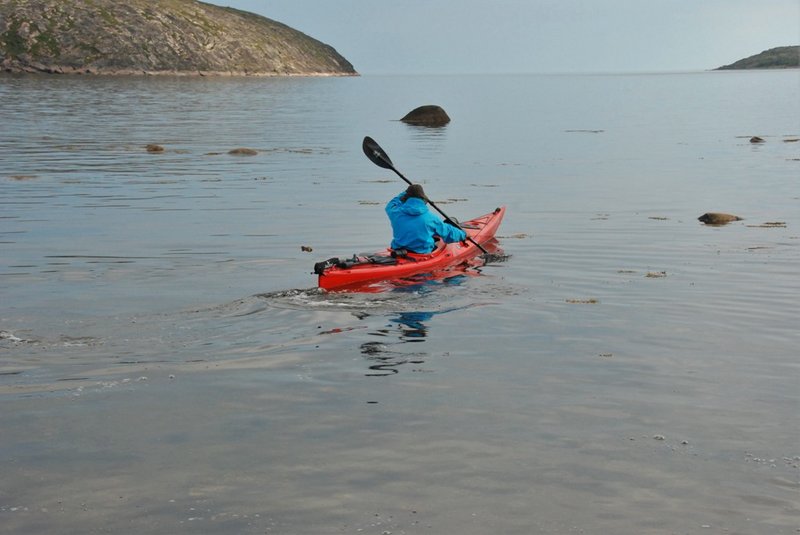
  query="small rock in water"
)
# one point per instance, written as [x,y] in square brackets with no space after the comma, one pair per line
[5,335]
[756,139]
[154,148]
[306,248]
[659,437]
[770,224]
[718,218]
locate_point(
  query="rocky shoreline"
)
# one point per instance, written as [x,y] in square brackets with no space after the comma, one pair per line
[38,68]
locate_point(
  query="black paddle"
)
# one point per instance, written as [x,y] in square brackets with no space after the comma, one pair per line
[379,157]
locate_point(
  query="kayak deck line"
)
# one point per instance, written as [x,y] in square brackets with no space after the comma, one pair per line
[336,273]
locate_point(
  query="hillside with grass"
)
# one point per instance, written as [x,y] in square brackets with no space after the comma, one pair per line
[155,37]
[783,57]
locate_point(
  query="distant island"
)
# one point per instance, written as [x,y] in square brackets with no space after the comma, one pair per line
[156,37]
[782,57]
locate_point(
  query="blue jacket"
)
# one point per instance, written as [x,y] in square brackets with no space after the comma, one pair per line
[414,226]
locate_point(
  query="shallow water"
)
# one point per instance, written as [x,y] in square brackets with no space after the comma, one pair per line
[167,364]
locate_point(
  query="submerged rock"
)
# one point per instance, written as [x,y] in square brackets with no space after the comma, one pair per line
[152,147]
[429,115]
[716,218]
[243,152]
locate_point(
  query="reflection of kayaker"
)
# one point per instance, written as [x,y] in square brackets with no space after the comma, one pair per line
[414,226]
[387,361]
[412,325]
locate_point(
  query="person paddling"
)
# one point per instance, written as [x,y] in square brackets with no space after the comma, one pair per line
[414,226]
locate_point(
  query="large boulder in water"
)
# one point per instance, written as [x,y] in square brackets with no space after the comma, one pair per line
[427,116]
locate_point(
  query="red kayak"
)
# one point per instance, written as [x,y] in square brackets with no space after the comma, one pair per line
[342,274]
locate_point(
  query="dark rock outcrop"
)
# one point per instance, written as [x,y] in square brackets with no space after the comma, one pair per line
[155,37]
[427,116]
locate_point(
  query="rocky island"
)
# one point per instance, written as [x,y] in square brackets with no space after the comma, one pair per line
[155,37]
[782,57]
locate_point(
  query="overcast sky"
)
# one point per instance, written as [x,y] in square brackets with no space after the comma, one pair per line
[538,36]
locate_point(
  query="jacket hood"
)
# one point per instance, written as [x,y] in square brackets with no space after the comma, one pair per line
[414,206]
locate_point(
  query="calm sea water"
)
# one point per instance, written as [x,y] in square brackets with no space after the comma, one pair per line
[167,365]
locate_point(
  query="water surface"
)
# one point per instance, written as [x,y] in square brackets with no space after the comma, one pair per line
[167,364]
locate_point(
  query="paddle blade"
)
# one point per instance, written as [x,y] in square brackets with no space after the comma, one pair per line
[376,154]
[493,253]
